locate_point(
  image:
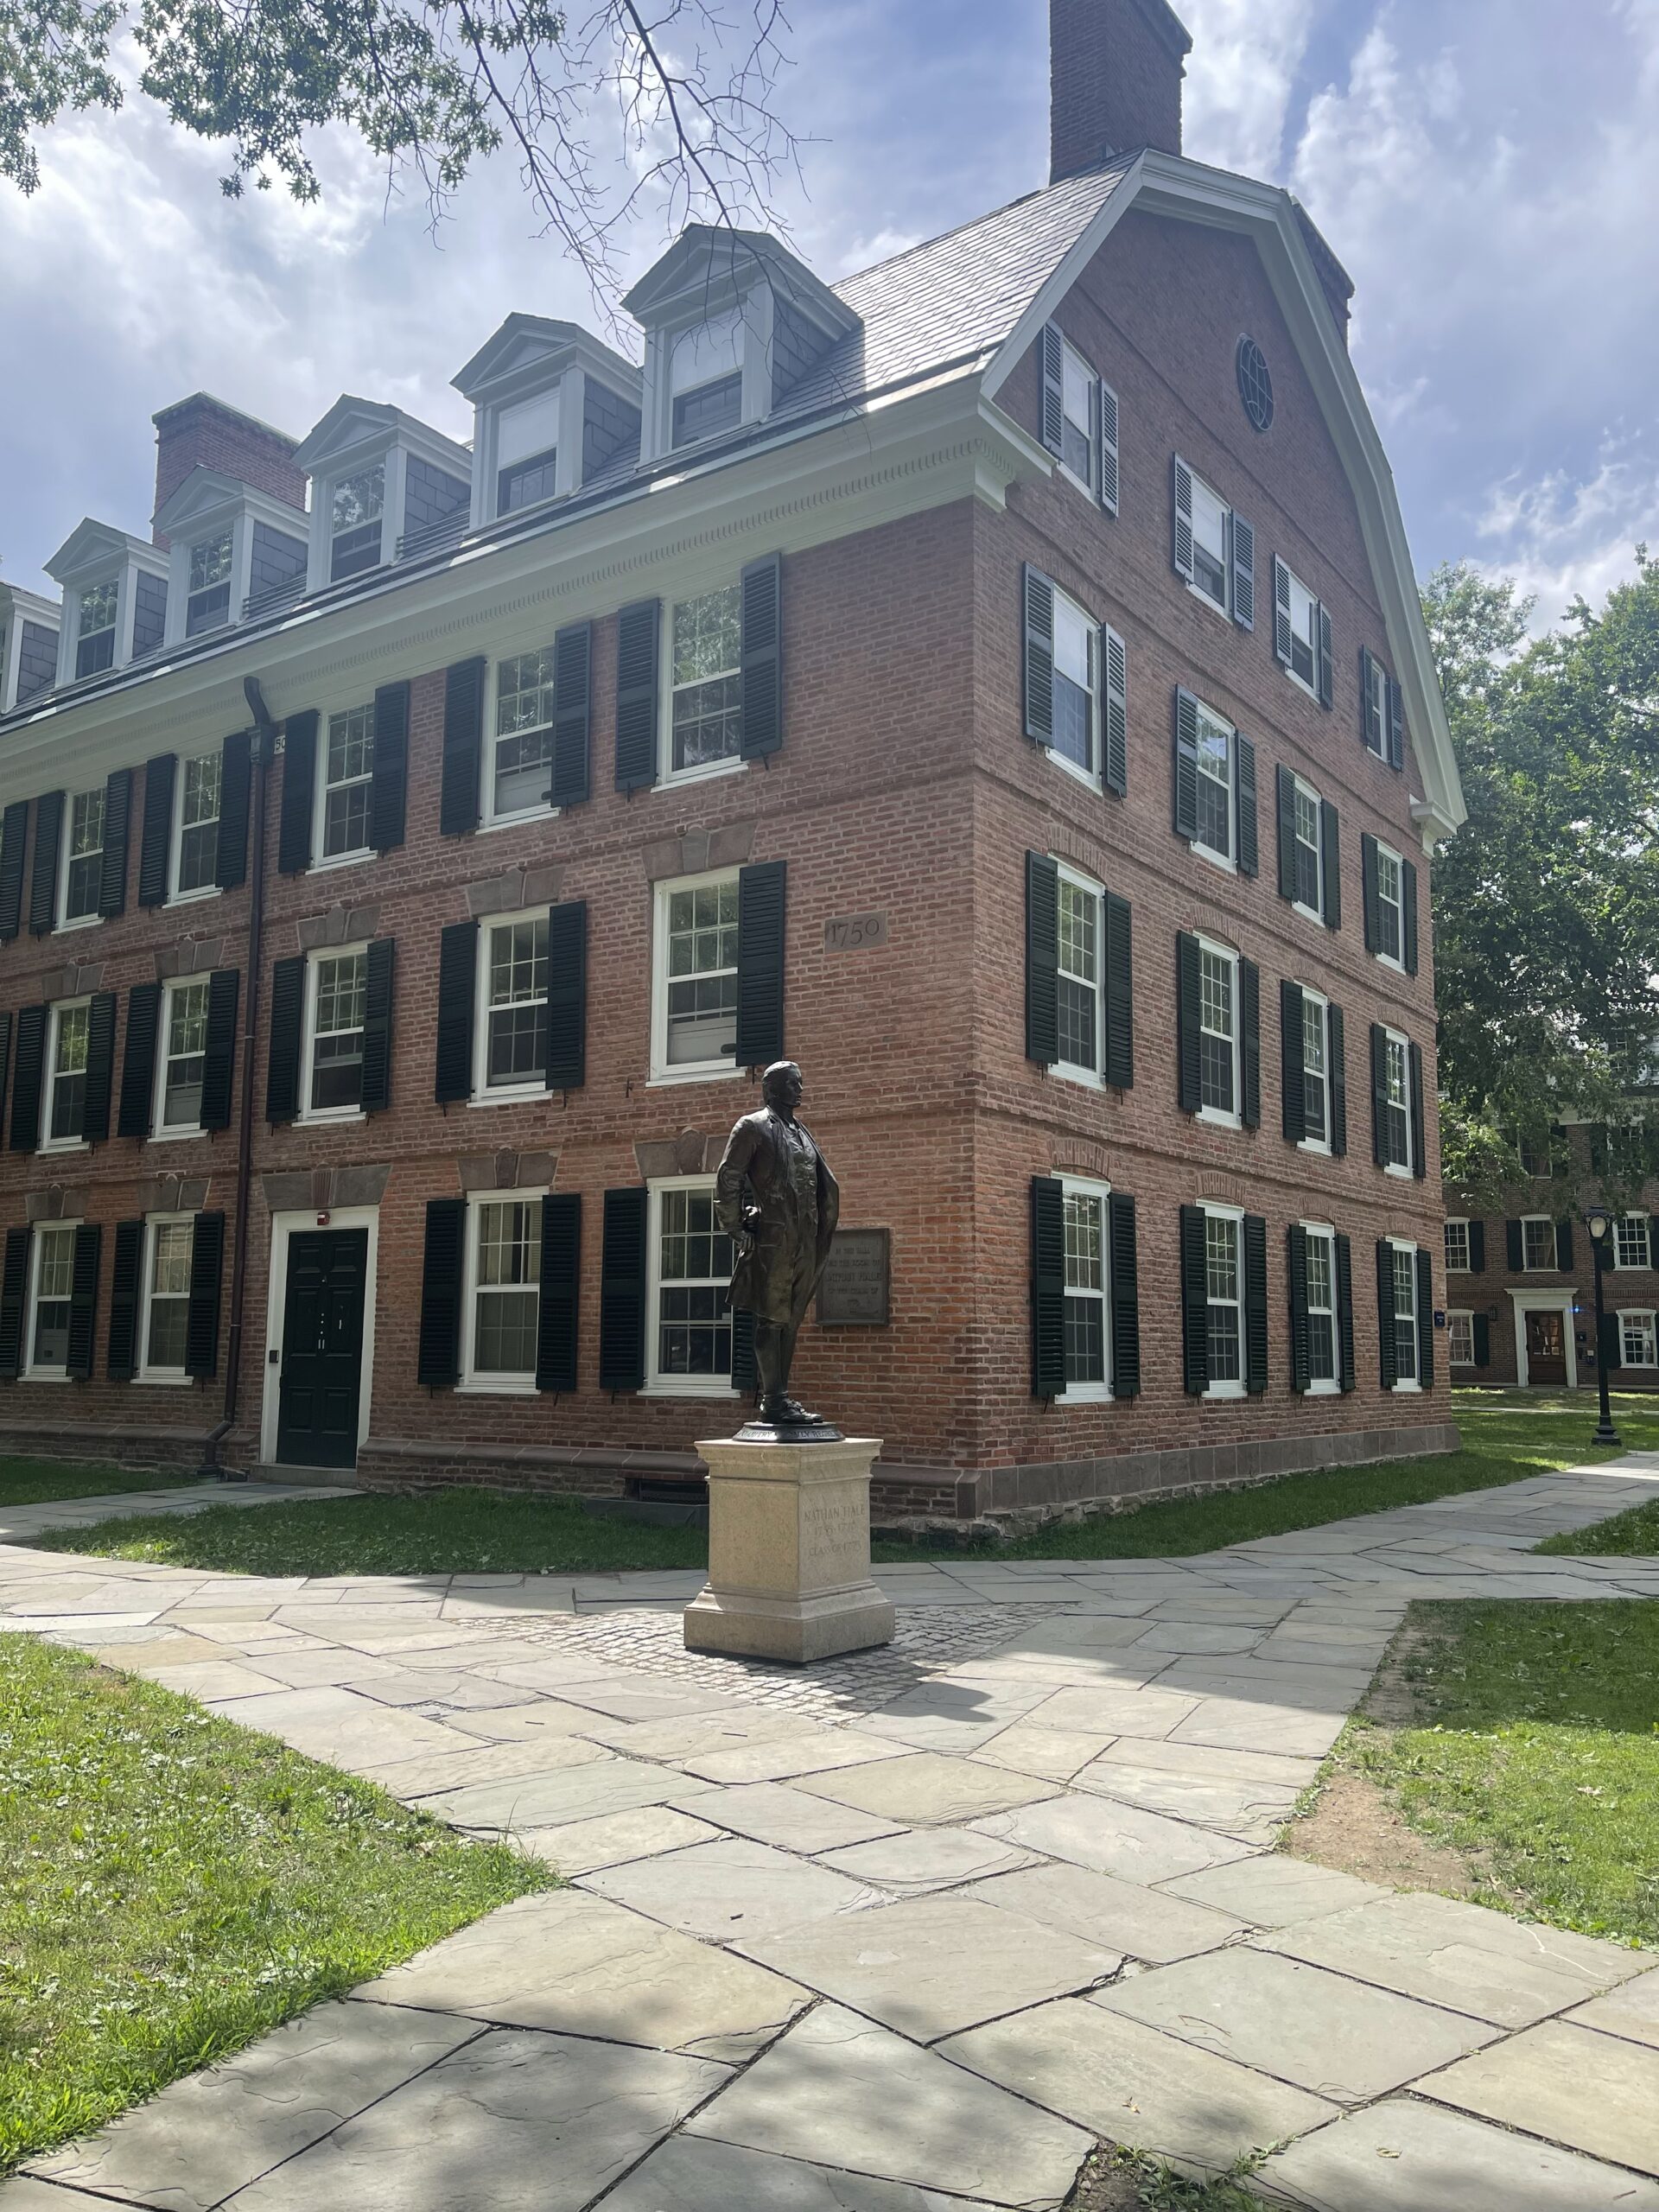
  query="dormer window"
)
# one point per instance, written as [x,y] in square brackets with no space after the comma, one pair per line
[29,646]
[527,452]
[95,630]
[209,601]
[707,378]
[114,598]
[236,552]
[551,408]
[356,505]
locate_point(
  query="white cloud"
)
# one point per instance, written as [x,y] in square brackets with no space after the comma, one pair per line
[1561,538]
[1240,78]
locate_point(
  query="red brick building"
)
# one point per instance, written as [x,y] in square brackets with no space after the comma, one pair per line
[995,680]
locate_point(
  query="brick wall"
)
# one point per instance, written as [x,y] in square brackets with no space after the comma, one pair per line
[202,432]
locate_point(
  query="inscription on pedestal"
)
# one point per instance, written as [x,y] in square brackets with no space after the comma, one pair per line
[854,1291]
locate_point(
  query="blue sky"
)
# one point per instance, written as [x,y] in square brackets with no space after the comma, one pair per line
[1488,171]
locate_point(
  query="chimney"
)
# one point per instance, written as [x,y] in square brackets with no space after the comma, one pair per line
[202,432]
[1114,80]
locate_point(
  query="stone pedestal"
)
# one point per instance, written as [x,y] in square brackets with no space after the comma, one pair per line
[789,1552]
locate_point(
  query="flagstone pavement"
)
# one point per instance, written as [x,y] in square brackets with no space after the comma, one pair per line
[905,1932]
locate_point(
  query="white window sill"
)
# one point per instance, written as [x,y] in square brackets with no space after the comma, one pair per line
[1225,1390]
[1318,1146]
[523,819]
[687,1389]
[333,861]
[1086,777]
[710,1071]
[45,1375]
[1205,599]
[175,1137]
[1324,1386]
[509,1386]
[190,898]
[1072,476]
[66,1144]
[1086,1394]
[1301,683]
[1224,862]
[1085,1079]
[1409,1386]
[1215,1119]
[332,1117]
[1394,1168]
[81,922]
[709,771]
[1308,913]
[1391,960]
[1459,1271]
[164,1378]
[518,1094]
[1470,1363]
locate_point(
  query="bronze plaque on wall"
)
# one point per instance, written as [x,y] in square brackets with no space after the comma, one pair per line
[854,1289]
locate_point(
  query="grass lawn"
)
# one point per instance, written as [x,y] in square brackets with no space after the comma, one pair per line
[467,1531]
[172,1885]
[1533,1750]
[35,1482]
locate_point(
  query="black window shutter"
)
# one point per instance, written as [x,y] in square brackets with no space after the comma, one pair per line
[1388,1356]
[1195,1302]
[1189,1034]
[1396,726]
[1414,1078]
[438,1361]
[1290,1062]
[1125,1296]
[457,988]
[380,961]
[1042,959]
[282,1070]
[622,1290]
[1379,1095]
[83,1302]
[26,1083]
[1370,717]
[1249,1026]
[1182,539]
[1114,742]
[1347,1374]
[1482,1334]
[1327,667]
[746,1375]
[118,817]
[1330,848]
[6,1059]
[1120,993]
[1564,1245]
[1408,914]
[1053,410]
[1477,1247]
[235,795]
[567,994]
[1286,783]
[122,1358]
[1301,1365]
[14,1294]
[207,1266]
[463,740]
[219,1058]
[1425,1318]
[100,1066]
[760,917]
[1037,601]
[1255,1304]
[135,1117]
[1243,536]
[43,887]
[389,782]
[14,836]
[760,669]
[1281,611]
[155,850]
[637,632]
[1187,765]
[1047,1286]
[1107,421]
[1368,878]
[299,792]
[1244,773]
[573,698]
[555,1325]
[1514,1242]
[1337,1040]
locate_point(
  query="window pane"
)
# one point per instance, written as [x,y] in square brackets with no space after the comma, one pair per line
[1540,1249]
[348,767]
[1633,1241]
[1215,787]
[702,973]
[1210,518]
[508,1299]
[169,1321]
[52,1297]
[1457,1246]
[705,651]
[516,1043]
[694,1326]
[199,821]
[708,410]
[1215,1026]
[1460,1339]
[187,1045]
[86,854]
[337,1058]
[97,609]
[1079,995]
[1221,1256]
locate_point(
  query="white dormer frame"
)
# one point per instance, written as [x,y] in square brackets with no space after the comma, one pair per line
[355,434]
[206,503]
[16,607]
[96,553]
[531,356]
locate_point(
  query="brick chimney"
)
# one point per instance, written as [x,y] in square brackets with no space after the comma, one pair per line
[1114,80]
[202,432]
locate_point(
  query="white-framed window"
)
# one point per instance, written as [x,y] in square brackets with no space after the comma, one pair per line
[1218,1038]
[1405,1317]
[1308,855]
[1324,1374]
[1375,715]
[511,1026]
[1460,1339]
[1075,739]
[53,1270]
[169,1244]
[82,866]
[693,978]
[68,1029]
[1211,529]
[1082,951]
[520,778]
[1637,1339]
[1631,1242]
[1538,1244]
[208,602]
[688,1337]
[1088,1312]
[526,451]
[1316,1072]
[706,378]
[1223,1255]
[701,708]
[1077,417]
[1536,1162]
[1391,908]
[341,830]
[503,1290]
[1303,666]
[1396,1104]
[195,827]
[1458,1257]
[337,988]
[356,505]
[95,627]
[182,1057]
[1216,788]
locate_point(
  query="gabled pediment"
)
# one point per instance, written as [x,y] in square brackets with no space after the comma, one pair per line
[534,349]
[94,546]
[708,268]
[350,422]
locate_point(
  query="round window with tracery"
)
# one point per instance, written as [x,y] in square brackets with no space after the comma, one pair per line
[1255,383]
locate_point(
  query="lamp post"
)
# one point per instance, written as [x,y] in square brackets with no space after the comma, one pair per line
[1600,1223]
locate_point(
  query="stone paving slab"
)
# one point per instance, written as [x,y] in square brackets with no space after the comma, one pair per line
[1631,2011]
[732,1891]
[1593,2093]
[925,1787]
[1148,1924]
[1141,1847]
[686,2174]
[911,1861]
[794,1820]
[613,1839]
[1274,1891]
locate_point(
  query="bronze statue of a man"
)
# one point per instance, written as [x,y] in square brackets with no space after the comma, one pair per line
[775,1197]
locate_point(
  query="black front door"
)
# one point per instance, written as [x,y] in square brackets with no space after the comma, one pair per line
[322,1348]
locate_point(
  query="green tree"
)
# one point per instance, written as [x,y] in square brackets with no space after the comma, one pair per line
[1547,902]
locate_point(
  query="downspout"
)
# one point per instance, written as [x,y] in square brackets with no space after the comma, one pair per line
[263,750]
